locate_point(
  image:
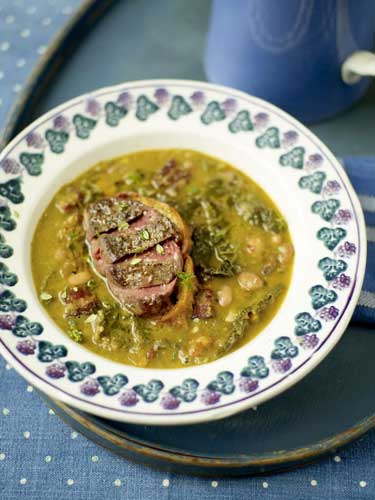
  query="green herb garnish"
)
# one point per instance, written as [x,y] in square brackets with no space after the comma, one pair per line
[160,249]
[185,278]
[135,261]
[75,334]
[91,284]
[123,225]
[45,296]
[145,235]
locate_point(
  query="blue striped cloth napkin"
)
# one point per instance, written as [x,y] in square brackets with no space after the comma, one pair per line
[361,171]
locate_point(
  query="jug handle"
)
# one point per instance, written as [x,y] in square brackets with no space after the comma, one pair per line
[359,64]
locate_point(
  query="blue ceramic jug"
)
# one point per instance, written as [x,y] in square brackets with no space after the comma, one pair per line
[302,55]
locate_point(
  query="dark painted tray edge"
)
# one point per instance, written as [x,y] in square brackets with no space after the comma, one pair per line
[58,50]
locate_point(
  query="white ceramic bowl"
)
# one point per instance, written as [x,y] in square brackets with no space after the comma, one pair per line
[288,161]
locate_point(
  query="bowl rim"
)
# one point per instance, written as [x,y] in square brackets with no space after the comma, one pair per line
[225,409]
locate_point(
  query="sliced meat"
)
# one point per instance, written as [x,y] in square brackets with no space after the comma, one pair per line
[153,267]
[204,304]
[152,228]
[170,174]
[109,214]
[142,301]
[139,245]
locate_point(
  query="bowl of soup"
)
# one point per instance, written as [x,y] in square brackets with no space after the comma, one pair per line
[173,252]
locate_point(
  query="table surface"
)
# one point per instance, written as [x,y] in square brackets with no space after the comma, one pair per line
[134,42]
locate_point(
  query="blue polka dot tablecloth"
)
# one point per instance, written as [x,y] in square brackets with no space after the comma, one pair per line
[43,459]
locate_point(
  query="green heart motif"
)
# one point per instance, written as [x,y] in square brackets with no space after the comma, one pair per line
[149,392]
[223,383]
[270,139]
[321,296]
[212,113]
[114,113]
[12,190]
[293,158]
[242,122]
[6,251]
[49,352]
[79,371]
[313,182]
[331,237]
[145,108]
[113,385]
[25,328]
[256,368]
[332,268]
[325,208]
[32,162]
[6,277]
[6,221]
[179,107]
[306,324]
[187,391]
[284,349]
[56,140]
[9,302]
[83,126]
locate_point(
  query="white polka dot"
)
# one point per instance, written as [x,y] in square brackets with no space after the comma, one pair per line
[23,480]
[362,484]
[214,484]
[30,388]
[117,482]
[67,10]
[95,458]
[25,33]
[6,412]
[47,459]
[7,366]
[41,50]
[17,87]
[1,77]
[51,412]
[337,459]
[165,483]
[26,434]
[31,10]
[313,482]
[2,456]
[70,482]
[265,484]
[21,63]
[4,46]
[74,435]
[10,19]
[46,21]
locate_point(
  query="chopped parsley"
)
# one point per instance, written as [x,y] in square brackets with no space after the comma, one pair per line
[145,235]
[160,249]
[123,225]
[45,296]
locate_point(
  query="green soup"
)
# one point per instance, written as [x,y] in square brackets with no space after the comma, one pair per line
[242,253]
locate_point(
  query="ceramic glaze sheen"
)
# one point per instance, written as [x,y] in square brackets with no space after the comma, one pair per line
[290,52]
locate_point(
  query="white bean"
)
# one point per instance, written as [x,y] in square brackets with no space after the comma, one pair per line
[79,278]
[286,252]
[276,238]
[249,281]
[224,295]
[254,245]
